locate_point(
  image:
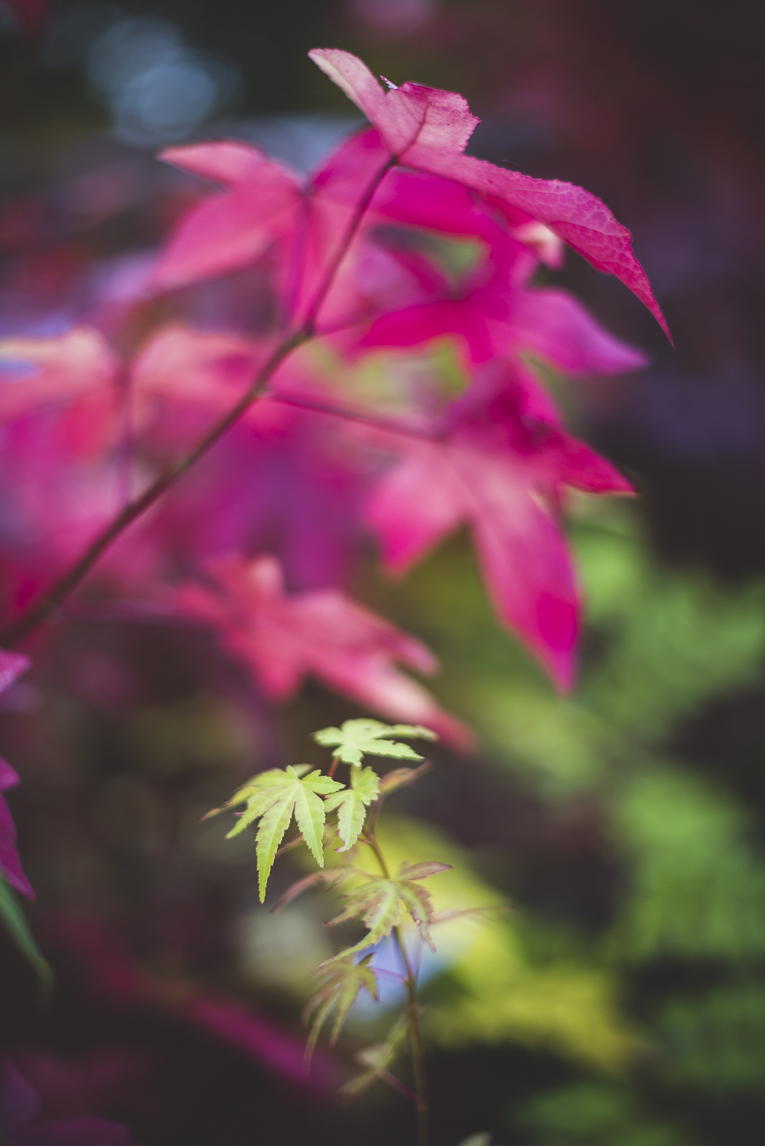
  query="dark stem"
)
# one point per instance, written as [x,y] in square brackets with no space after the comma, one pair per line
[391,425]
[413,1015]
[40,610]
[333,767]
[345,243]
[401,1087]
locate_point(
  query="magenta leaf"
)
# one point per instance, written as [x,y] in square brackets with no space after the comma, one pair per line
[503,472]
[323,632]
[230,229]
[428,129]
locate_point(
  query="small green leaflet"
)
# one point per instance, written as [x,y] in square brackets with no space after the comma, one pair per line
[359,736]
[376,1060]
[16,924]
[380,903]
[343,981]
[251,789]
[274,796]
[351,804]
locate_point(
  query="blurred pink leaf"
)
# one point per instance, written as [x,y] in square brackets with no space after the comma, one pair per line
[502,471]
[76,373]
[235,226]
[282,638]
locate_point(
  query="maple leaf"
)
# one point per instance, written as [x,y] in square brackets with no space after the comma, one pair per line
[344,980]
[232,228]
[498,467]
[381,902]
[351,804]
[267,207]
[428,129]
[281,638]
[472,283]
[183,366]
[357,737]
[75,375]
[274,797]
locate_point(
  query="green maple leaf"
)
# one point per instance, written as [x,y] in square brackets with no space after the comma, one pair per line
[343,982]
[380,903]
[274,797]
[357,737]
[351,804]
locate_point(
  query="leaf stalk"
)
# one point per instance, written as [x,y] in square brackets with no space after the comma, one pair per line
[416,1047]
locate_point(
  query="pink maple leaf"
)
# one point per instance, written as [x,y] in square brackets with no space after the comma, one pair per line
[498,467]
[80,379]
[428,129]
[75,376]
[264,206]
[234,227]
[489,307]
[12,665]
[282,638]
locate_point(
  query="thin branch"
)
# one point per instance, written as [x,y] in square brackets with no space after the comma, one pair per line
[391,425]
[402,1088]
[345,243]
[413,1014]
[40,610]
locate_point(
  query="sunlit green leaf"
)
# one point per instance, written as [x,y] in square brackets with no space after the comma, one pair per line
[357,737]
[274,797]
[351,804]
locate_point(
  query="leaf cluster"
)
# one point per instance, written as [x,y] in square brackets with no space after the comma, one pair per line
[381,902]
[276,796]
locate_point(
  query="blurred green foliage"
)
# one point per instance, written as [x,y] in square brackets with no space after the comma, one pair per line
[665,989]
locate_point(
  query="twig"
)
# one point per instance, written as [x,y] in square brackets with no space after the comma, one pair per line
[413,1016]
[40,610]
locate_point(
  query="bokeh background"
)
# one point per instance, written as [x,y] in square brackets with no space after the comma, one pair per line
[622,1001]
